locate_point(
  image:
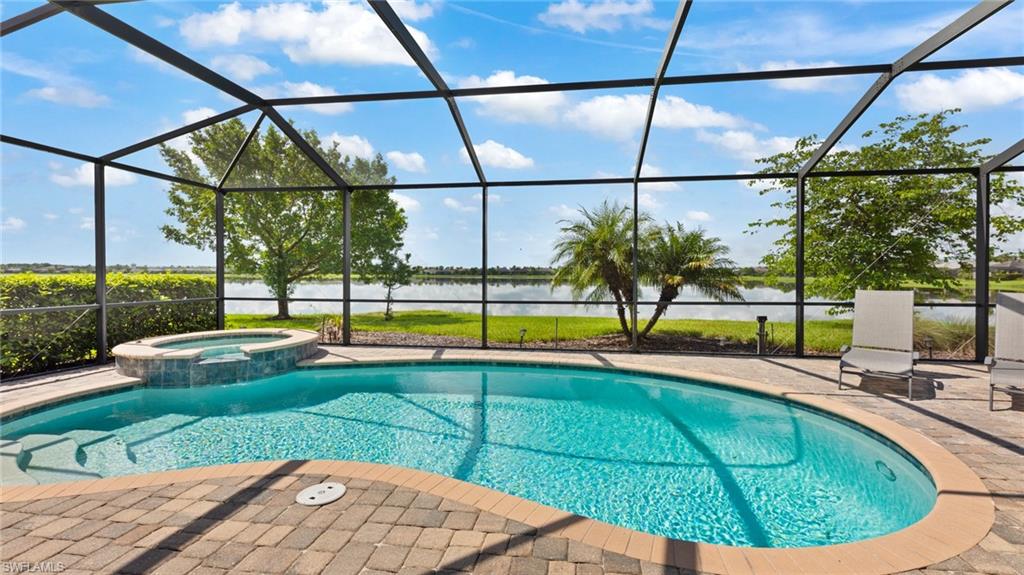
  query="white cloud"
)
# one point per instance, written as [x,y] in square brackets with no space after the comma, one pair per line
[12,224]
[619,117]
[197,114]
[413,11]
[458,206]
[354,146]
[408,161]
[654,172]
[338,32]
[812,34]
[50,217]
[496,155]
[818,84]
[181,143]
[745,145]
[698,216]
[647,201]
[304,90]
[492,198]
[407,203]
[563,211]
[241,67]
[604,15]
[970,90]
[540,107]
[57,87]
[87,223]
[82,176]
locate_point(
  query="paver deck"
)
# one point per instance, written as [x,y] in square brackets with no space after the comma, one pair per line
[198,522]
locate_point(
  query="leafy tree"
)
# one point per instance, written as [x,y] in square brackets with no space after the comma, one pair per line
[282,237]
[594,257]
[393,271]
[673,258]
[882,232]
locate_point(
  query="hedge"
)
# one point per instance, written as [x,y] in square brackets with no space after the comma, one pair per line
[34,342]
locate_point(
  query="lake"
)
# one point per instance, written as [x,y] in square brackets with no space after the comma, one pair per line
[513,291]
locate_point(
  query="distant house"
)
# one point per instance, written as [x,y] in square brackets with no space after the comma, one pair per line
[1008,267]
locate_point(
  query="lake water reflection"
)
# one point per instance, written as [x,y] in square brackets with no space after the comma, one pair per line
[531,290]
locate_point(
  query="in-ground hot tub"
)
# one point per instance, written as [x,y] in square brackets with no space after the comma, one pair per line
[210,357]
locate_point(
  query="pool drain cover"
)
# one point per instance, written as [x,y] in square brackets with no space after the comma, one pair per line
[320,494]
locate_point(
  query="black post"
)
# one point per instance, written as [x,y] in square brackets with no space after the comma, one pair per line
[99,228]
[635,343]
[483,269]
[981,271]
[799,256]
[220,257]
[346,290]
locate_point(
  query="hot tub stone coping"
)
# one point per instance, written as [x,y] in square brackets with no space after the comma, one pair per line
[147,349]
[962,515]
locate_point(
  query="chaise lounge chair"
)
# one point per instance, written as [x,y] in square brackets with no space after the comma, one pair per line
[1006,368]
[883,337]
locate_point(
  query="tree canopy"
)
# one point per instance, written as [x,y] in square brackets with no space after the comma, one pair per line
[594,257]
[282,237]
[882,232]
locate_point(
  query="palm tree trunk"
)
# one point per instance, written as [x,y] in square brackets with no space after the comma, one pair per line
[668,293]
[623,323]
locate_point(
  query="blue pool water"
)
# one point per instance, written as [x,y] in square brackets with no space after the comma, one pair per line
[219,346]
[680,459]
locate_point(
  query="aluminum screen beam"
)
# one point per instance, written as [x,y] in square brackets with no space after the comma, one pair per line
[647,82]
[286,127]
[155,48]
[954,30]
[983,226]
[394,23]
[682,10]
[241,150]
[666,57]
[1002,158]
[92,159]
[26,19]
[159,139]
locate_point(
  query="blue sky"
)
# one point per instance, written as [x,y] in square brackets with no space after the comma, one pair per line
[70,85]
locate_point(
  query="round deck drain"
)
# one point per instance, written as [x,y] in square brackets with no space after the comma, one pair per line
[320,494]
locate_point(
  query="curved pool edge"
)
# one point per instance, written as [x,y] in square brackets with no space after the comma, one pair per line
[961,517]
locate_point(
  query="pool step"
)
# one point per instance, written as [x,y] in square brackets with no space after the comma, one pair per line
[10,472]
[53,458]
[105,453]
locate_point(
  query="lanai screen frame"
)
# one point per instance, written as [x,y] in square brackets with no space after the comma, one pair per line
[912,61]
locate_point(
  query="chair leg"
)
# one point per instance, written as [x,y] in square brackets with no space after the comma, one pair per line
[991,399]
[910,387]
[840,377]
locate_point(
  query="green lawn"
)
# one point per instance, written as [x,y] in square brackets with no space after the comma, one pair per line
[826,335]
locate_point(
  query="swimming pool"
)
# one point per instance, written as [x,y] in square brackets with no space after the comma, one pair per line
[677,458]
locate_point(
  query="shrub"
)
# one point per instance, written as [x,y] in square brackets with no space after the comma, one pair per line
[33,342]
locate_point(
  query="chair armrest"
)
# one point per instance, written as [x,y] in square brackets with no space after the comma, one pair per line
[844,349]
[916,356]
[990,361]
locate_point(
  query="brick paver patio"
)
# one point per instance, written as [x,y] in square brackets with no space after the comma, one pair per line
[251,523]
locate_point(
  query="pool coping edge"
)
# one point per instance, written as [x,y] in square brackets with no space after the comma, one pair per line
[961,517]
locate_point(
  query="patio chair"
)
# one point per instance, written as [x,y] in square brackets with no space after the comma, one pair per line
[883,337]
[1006,366]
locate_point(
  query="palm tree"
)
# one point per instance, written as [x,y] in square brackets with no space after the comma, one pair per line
[673,257]
[594,256]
